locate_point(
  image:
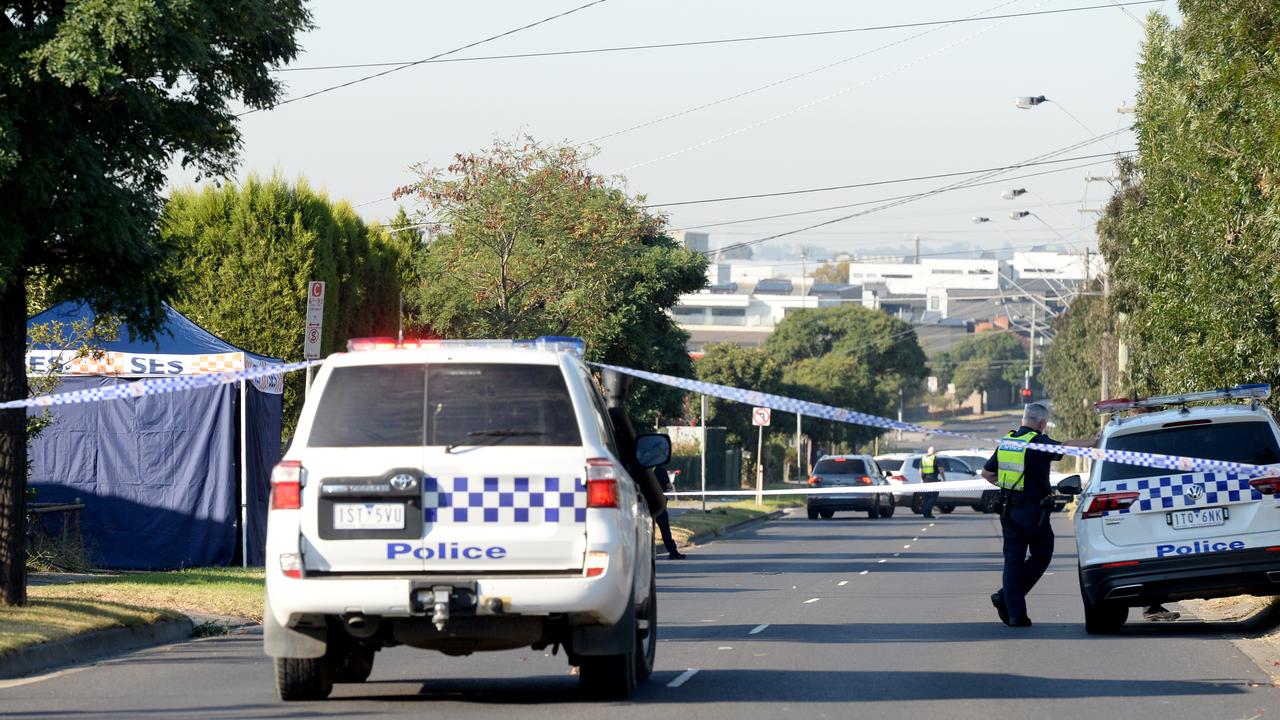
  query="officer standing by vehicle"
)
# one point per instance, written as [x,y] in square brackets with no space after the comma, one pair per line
[930,472]
[1023,478]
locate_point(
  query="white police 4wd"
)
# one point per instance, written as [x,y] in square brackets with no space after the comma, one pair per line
[1146,535]
[460,497]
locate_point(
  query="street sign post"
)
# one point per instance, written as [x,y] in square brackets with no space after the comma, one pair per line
[760,417]
[315,324]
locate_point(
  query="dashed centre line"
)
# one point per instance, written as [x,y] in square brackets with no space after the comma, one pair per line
[881,560]
[758,629]
[842,583]
[683,678]
[811,600]
[864,572]
[914,539]
[907,546]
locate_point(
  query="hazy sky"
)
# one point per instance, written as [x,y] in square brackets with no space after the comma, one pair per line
[937,99]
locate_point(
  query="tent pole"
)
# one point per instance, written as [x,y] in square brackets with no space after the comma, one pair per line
[244,479]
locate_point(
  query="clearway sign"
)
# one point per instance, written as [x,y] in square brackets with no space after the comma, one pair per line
[315,320]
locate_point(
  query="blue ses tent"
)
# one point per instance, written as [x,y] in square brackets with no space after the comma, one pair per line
[167,481]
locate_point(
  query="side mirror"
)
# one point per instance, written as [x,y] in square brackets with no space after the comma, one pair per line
[652,450]
[1069,485]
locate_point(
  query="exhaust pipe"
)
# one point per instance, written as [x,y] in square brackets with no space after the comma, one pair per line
[360,626]
[1125,591]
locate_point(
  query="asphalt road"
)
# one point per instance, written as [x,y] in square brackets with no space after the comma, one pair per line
[796,618]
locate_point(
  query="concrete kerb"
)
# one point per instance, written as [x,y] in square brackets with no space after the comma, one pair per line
[708,535]
[92,646]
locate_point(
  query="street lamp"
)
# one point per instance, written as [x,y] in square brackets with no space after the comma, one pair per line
[1029,101]
[979,219]
[1019,214]
[1013,193]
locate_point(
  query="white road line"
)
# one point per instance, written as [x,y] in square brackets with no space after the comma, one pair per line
[924,529]
[914,539]
[864,572]
[684,677]
[897,554]
[932,524]
[842,583]
[725,647]
[758,629]
[907,546]
[811,600]
[881,560]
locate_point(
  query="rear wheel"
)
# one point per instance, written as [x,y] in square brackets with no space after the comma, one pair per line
[813,514]
[1102,618]
[826,514]
[873,512]
[946,508]
[613,677]
[647,628]
[917,504]
[303,678]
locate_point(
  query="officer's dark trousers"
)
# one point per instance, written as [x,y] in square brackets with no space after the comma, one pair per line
[663,520]
[1023,533]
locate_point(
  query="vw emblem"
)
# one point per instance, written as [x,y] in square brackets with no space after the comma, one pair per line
[1193,492]
[403,481]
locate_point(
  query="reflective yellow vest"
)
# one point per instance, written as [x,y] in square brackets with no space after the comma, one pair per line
[927,464]
[1013,461]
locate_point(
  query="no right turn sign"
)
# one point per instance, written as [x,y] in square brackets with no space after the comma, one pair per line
[760,416]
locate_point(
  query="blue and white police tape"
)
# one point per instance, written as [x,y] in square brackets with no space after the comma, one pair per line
[155,386]
[828,412]
[949,486]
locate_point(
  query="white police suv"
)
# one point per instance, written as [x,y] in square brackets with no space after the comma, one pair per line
[1146,535]
[459,496]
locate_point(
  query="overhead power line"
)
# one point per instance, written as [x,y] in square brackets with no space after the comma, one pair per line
[423,61]
[696,43]
[918,196]
[881,200]
[874,183]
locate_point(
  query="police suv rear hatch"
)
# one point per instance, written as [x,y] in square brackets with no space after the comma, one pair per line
[1188,513]
[444,463]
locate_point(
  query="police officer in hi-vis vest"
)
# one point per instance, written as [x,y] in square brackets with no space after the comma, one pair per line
[930,472]
[1023,478]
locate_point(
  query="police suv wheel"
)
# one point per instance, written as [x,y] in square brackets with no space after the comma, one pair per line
[647,628]
[612,677]
[1102,618]
[303,678]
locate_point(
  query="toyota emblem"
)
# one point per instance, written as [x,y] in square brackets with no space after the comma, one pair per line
[1193,492]
[403,481]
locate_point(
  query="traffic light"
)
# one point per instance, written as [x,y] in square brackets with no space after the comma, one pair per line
[1026,395]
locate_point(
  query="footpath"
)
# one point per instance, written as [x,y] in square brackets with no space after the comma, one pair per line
[80,618]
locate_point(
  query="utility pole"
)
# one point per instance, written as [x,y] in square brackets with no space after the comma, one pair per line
[917,248]
[799,460]
[702,418]
[760,466]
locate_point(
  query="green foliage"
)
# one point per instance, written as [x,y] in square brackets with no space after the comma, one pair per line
[246,252]
[832,272]
[993,361]
[843,381]
[533,243]
[886,346]
[1193,240]
[1073,364]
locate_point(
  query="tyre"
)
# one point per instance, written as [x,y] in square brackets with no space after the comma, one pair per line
[647,628]
[1102,618]
[917,504]
[990,499]
[303,678]
[946,508]
[826,514]
[873,513]
[887,510]
[977,507]
[612,677]
[813,514]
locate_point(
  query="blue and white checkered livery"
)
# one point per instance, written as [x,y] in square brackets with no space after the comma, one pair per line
[1169,492]
[504,500]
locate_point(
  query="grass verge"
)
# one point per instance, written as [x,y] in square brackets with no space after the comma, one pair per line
[212,591]
[48,619]
[688,524]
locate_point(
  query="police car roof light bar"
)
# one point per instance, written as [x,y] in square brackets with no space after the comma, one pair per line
[553,343]
[1250,391]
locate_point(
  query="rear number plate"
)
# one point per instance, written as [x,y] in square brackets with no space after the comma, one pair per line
[368,516]
[1203,517]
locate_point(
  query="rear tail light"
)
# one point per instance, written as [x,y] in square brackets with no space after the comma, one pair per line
[865,480]
[286,485]
[597,563]
[1109,501]
[815,481]
[602,483]
[1266,485]
[291,565]
[898,478]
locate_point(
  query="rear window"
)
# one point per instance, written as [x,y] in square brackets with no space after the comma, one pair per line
[831,466]
[1243,442]
[445,404]
[890,465]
